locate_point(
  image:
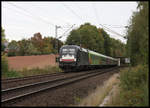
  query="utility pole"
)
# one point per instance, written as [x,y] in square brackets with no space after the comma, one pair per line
[56,28]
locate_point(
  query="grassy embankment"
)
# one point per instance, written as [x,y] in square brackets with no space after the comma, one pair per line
[133,89]
[130,88]
[10,73]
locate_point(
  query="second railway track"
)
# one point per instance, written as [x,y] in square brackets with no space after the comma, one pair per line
[13,94]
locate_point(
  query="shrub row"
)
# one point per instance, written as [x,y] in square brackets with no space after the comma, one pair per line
[134,86]
[6,73]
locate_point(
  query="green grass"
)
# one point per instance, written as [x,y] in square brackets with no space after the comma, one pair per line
[39,71]
[12,74]
[133,87]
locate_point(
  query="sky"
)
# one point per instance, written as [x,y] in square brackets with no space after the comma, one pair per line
[24,19]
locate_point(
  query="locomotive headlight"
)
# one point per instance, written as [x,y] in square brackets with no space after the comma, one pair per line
[74,59]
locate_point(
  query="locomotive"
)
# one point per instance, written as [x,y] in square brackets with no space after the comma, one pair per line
[73,57]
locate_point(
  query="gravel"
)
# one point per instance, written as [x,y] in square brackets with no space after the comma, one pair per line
[68,95]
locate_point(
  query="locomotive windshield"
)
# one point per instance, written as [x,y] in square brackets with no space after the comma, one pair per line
[68,51]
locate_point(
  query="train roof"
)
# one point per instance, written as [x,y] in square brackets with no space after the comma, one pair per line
[98,54]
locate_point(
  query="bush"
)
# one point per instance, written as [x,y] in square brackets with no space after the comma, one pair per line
[134,77]
[38,71]
[4,65]
[13,74]
[6,73]
[11,53]
[134,86]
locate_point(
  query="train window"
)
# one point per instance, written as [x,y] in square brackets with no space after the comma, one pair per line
[64,50]
[71,51]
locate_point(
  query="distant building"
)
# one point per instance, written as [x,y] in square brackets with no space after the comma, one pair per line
[6,43]
[127,60]
[6,46]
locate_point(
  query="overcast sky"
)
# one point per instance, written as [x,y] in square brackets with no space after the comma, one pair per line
[23,19]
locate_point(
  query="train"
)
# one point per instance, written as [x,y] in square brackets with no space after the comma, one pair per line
[73,57]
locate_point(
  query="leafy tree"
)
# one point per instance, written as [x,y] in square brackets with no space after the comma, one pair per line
[3,34]
[56,44]
[13,48]
[137,44]
[37,41]
[73,38]
[31,49]
[88,36]
[3,39]
[47,47]
[23,47]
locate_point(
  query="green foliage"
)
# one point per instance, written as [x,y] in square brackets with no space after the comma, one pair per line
[134,77]
[4,65]
[73,38]
[38,71]
[88,36]
[138,33]
[47,47]
[6,73]
[3,39]
[13,48]
[13,74]
[3,47]
[96,39]
[107,42]
[2,34]
[35,45]
[134,86]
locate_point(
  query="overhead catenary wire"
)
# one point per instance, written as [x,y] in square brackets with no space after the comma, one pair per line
[116,26]
[112,31]
[66,31]
[37,17]
[47,11]
[97,17]
[19,12]
[72,11]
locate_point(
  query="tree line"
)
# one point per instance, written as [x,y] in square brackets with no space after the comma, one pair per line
[35,45]
[138,34]
[96,39]
[89,36]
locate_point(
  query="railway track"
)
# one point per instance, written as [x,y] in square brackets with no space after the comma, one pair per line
[7,80]
[11,95]
[13,82]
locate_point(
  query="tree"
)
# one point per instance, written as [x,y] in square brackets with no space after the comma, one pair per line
[13,48]
[137,33]
[88,36]
[3,39]
[73,38]
[38,42]
[3,34]
[47,47]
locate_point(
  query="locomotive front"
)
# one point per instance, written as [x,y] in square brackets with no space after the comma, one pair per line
[68,57]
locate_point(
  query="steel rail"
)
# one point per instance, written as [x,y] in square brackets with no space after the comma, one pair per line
[66,81]
[30,77]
